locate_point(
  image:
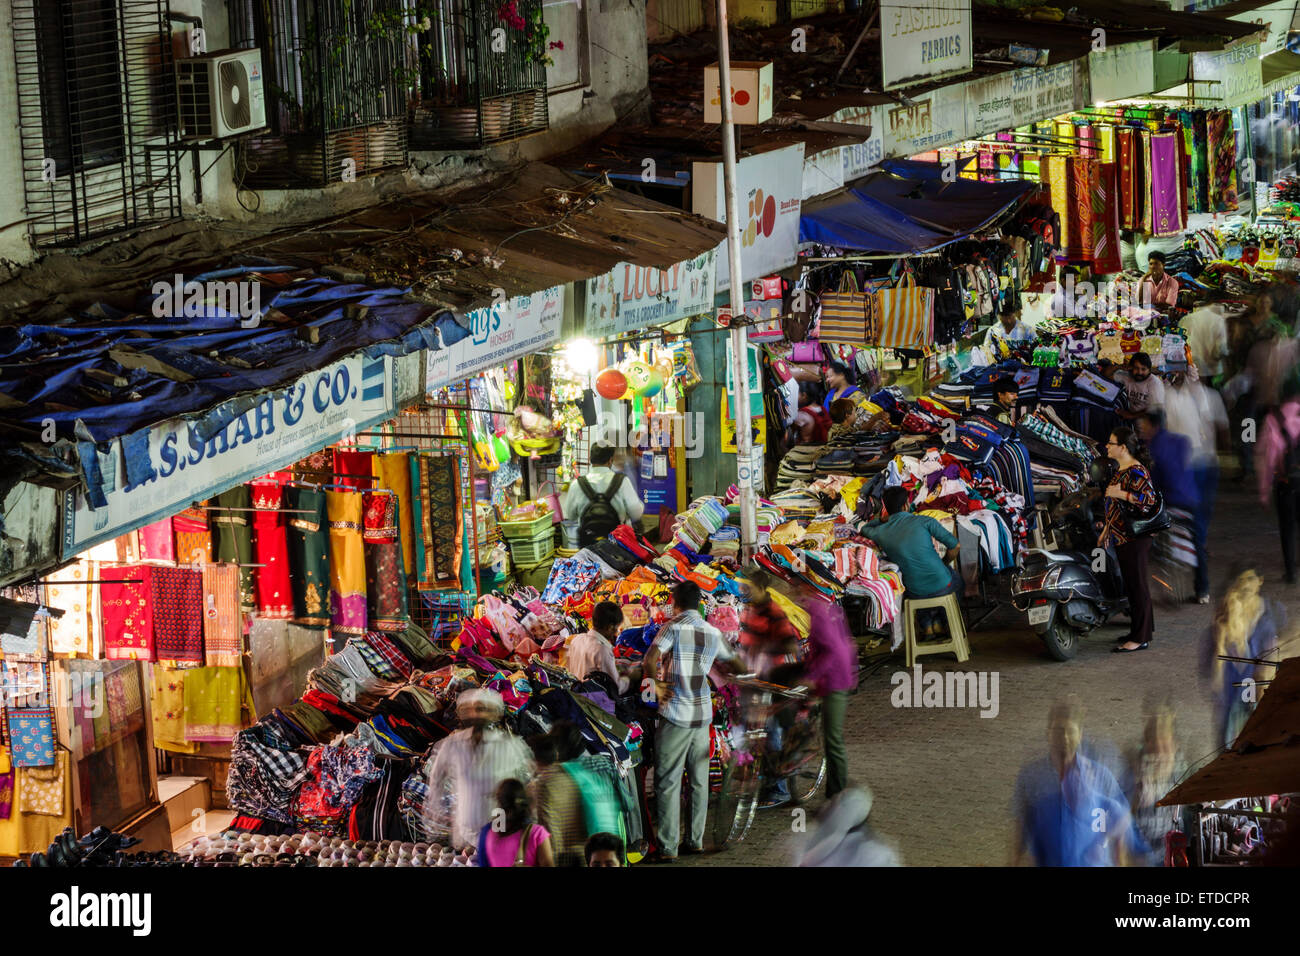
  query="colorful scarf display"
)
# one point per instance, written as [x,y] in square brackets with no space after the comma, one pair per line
[168,710]
[235,538]
[1058,183]
[31,737]
[66,589]
[385,579]
[1126,141]
[1168,214]
[308,543]
[347,562]
[435,481]
[158,542]
[223,642]
[126,609]
[177,595]
[1105,222]
[271,547]
[1080,176]
[394,473]
[1221,154]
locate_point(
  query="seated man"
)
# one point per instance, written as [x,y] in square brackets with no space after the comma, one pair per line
[1157,287]
[908,541]
[1008,329]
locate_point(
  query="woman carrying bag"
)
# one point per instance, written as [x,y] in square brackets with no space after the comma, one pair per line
[1133,513]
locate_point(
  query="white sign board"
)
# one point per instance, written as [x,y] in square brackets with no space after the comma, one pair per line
[1122,70]
[771,193]
[924,40]
[934,119]
[499,333]
[989,105]
[859,158]
[823,172]
[315,411]
[1237,74]
[631,297]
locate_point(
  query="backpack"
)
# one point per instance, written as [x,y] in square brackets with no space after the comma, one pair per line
[599,518]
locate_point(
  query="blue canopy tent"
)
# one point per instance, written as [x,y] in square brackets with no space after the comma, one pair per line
[907,208]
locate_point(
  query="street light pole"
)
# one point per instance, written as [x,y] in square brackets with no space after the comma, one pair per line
[739,339]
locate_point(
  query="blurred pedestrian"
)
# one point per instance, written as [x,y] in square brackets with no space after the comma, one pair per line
[511,838]
[1245,630]
[832,674]
[1155,768]
[1277,469]
[1196,411]
[842,837]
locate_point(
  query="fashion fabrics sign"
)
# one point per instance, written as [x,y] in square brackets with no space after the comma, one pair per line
[498,334]
[771,194]
[1236,72]
[924,40]
[315,411]
[632,297]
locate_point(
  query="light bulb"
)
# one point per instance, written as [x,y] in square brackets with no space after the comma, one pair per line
[581,355]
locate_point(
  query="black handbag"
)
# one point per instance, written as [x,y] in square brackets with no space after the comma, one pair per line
[1157,519]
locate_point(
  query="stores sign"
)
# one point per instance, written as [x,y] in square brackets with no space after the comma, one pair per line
[924,40]
[498,334]
[771,193]
[631,297]
[313,412]
[1236,72]
[859,158]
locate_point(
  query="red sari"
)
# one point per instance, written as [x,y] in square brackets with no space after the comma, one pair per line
[271,551]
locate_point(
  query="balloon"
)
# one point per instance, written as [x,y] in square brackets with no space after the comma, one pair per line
[654,384]
[611,383]
[502,448]
[638,375]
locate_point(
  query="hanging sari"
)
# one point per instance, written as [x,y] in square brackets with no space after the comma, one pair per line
[1126,146]
[385,580]
[271,547]
[168,711]
[1166,216]
[223,641]
[1199,183]
[394,473]
[1106,140]
[1105,222]
[215,698]
[66,589]
[1221,149]
[157,542]
[308,543]
[347,563]
[437,486]
[1058,182]
[353,469]
[235,538]
[1081,174]
[177,595]
[127,611]
[192,535]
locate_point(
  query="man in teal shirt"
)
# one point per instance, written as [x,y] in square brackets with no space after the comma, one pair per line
[908,541]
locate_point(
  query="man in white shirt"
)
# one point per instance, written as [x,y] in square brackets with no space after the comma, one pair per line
[1207,336]
[1193,410]
[1143,387]
[601,478]
[593,651]
[1010,330]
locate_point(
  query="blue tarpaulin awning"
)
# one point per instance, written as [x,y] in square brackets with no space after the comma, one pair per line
[905,208]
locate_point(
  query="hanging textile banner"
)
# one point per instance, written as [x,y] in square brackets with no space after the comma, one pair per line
[1236,73]
[771,193]
[499,333]
[924,41]
[1122,70]
[315,411]
[630,297]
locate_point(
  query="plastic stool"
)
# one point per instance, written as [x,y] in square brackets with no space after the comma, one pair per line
[956,643]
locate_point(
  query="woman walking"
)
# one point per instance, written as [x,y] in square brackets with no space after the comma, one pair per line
[1129,496]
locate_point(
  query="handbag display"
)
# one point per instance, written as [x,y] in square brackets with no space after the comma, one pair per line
[847,315]
[905,316]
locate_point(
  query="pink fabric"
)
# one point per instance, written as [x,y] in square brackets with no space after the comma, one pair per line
[1166,169]
[1271,450]
[157,543]
[502,850]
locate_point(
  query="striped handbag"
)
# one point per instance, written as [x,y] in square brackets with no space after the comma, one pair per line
[847,315]
[906,315]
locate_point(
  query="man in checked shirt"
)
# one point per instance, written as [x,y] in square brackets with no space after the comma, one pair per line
[688,647]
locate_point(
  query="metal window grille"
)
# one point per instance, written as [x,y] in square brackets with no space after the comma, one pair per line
[96,106]
[479,81]
[338,74]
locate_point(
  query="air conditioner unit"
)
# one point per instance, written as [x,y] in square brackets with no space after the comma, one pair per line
[220,94]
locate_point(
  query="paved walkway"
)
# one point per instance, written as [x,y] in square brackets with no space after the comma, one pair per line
[943,778]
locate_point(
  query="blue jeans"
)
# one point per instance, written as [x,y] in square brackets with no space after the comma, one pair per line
[1206,477]
[775,740]
[935,615]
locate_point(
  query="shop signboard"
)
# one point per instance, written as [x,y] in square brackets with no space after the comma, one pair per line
[934,119]
[317,410]
[630,297]
[755,373]
[925,40]
[860,158]
[823,172]
[1236,75]
[989,104]
[1039,94]
[771,194]
[1122,70]
[498,334]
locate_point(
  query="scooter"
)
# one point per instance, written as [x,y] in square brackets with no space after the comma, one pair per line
[1069,593]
